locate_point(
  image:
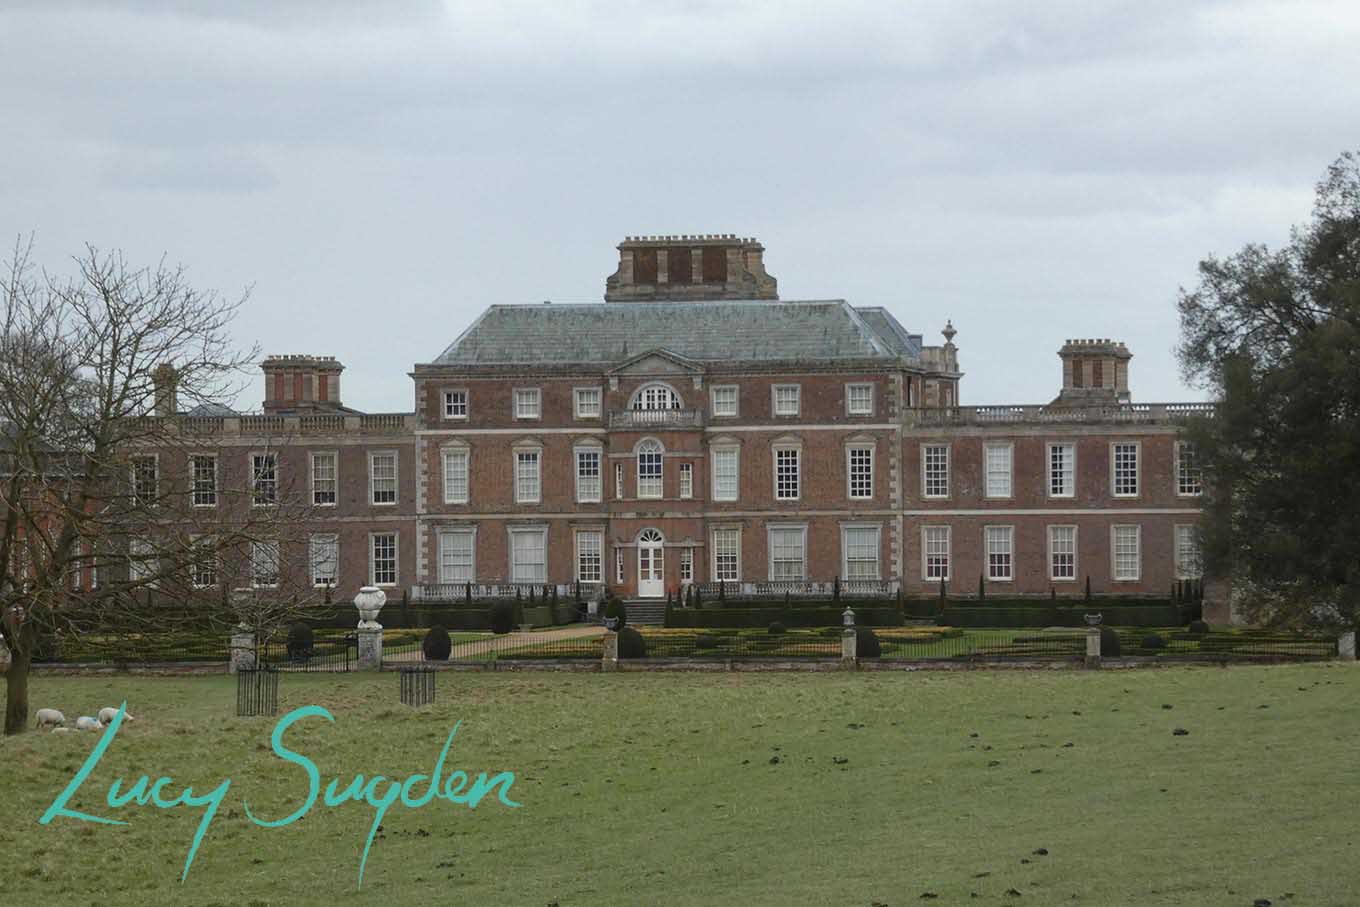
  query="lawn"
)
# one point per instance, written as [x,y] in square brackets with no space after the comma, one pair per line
[765,789]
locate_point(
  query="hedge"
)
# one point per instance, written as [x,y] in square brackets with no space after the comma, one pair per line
[696,619]
[1113,613]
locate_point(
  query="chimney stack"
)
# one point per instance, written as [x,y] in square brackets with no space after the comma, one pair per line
[690,267]
[165,384]
[1095,371]
[296,382]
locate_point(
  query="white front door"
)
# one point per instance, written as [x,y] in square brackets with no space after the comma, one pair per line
[651,565]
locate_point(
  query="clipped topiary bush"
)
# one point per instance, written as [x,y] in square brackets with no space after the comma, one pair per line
[502,617]
[1109,642]
[1199,627]
[631,644]
[866,644]
[436,645]
[778,629]
[704,641]
[616,609]
[300,641]
[1153,641]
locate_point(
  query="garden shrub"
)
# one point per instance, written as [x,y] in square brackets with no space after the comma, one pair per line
[436,645]
[777,629]
[1199,627]
[1109,642]
[300,641]
[631,644]
[615,608]
[1153,641]
[705,641]
[502,617]
[866,644]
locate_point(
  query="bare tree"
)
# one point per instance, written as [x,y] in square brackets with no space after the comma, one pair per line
[105,528]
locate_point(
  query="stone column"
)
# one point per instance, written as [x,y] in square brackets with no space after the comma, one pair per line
[610,661]
[243,655]
[1345,646]
[849,649]
[1092,647]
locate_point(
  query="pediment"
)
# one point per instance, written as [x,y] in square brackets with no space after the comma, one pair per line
[656,362]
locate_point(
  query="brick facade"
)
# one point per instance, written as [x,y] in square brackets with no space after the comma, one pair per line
[659,365]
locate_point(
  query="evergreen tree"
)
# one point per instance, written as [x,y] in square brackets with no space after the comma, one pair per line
[1275,335]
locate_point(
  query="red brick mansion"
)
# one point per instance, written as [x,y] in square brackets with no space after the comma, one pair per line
[693,427]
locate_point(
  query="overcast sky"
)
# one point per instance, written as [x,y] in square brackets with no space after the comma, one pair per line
[379,172]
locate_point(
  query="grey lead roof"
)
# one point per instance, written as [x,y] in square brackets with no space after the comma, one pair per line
[606,333]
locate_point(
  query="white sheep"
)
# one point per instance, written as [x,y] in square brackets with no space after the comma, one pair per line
[86,723]
[50,717]
[107,713]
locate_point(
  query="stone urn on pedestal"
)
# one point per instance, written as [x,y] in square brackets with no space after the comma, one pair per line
[369,602]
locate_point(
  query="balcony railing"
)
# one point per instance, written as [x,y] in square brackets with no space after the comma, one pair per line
[795,588]
[458,592]
[1122,413]
[656,418]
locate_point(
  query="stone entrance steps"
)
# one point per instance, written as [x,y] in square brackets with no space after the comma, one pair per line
[646,612]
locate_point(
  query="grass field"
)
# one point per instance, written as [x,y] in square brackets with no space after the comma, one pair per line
[766,789]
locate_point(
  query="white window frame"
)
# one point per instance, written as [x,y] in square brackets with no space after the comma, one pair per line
[373,456]
[453,494]
[1076,554]
[542,533]
[447,538]
[521,492]
[620,565]
[987,475]
[1001,532]
[312,540]
[736,400]
[850,389]
[651,487]
[137,497]
[583,494]
[618,481]
[1137,551]
[1181,478]
[846,530]
[654,392]
[193,478]
[579,394]
[449,404]
[1070,473]
[686,562]
[713,539]
[595,537]
[1193,530]
[521,398]
[948,552]
[255,548]
[925,472]
[850,450]
[195,577]
[1137,469]
[796,449]
[770,530]
[256,483]
[312,457]
[797,390]
[373,559]
[718,492]
[686,481]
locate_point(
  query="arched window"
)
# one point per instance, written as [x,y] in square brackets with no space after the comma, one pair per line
[656,396]
[649,537]
[649,454]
